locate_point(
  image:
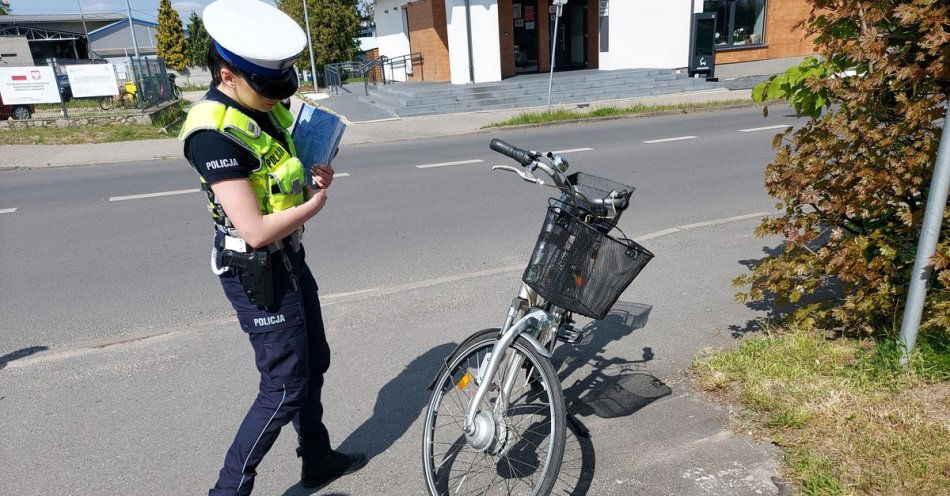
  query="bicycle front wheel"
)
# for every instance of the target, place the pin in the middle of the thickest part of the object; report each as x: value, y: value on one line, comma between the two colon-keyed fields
x: 527, y: 446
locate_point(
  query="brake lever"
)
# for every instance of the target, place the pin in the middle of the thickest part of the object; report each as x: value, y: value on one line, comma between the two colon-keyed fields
x: 524, y: 175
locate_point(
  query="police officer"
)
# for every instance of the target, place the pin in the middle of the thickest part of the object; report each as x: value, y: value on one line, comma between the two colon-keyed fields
x: 238, y: 141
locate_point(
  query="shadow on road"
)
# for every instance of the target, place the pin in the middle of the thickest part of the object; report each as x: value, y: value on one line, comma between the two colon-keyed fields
x: 400, y: 401
x: 620, y: 322
x: 397, y: 406
x: 609, y: 387
x: 21, y: 353
x: 774, y: 310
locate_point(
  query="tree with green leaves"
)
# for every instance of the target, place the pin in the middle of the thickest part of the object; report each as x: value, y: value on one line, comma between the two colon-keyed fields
x: 852, y: 183
x: 198, y: 41
x: 334, y: 25
x: 171, y: 37
x: 3, y: 9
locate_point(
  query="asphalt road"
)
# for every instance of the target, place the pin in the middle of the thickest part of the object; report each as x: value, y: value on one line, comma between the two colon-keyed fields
x: 410, y: 260
x: 84, y: 269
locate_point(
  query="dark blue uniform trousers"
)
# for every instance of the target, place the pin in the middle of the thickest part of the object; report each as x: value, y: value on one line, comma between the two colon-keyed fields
x: 292, y: 355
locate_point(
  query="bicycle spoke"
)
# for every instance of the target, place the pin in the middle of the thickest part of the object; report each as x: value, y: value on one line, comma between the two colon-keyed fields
x: 457, y: 470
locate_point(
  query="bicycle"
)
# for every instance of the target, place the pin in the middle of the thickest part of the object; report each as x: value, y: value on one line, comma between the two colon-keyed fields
x: 480, y: 431
x: 125, y: 99
x: 176, y: 91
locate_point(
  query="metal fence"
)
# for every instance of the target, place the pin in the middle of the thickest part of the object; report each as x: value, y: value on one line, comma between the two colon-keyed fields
x: 143, y: 84
x: 151, y: 77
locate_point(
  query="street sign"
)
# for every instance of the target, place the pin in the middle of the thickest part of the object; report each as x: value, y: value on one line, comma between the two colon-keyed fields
x: 92, y: 80
x: 31, y: 84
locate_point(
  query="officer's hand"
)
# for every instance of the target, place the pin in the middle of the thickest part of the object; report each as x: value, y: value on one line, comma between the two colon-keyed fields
x: 318, y: 198
x: 322, y: 176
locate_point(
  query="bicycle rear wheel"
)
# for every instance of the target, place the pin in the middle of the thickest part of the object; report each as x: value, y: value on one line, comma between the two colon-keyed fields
x: 106, y: 102
x: 525, y: 455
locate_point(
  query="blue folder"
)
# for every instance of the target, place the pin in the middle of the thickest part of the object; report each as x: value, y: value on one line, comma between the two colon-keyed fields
x: 316, y: 136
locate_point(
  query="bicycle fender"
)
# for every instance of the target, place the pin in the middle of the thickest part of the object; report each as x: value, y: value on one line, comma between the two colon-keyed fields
x: 537, y: 345
x: 445, y: 362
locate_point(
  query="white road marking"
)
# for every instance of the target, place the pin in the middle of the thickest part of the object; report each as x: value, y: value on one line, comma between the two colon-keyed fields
x: 697, y: 225
x: 331, y: 299
x: 154, y: 195
x: 7, y: 210
x: 341, y: 174
x: 337, y: 296
x: 446, y: 164
x: 573, y: 150
x: 664, y: 140
x: 766, y: 128
x: 716, y: 222
x: 656, y: 234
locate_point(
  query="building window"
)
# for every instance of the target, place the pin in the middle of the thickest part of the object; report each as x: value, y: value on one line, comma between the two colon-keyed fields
x: 738, y: 22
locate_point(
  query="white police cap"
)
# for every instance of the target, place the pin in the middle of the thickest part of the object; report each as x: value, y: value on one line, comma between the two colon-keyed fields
x: 254, y: 37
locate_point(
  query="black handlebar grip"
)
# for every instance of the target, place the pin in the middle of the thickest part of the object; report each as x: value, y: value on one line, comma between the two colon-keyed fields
x: 517, y: 154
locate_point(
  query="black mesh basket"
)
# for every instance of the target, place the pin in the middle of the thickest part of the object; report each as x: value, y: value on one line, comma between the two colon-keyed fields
x: 578, y: 266
x: 593, y: 187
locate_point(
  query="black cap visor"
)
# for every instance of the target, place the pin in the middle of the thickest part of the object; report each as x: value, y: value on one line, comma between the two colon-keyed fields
x: 274, y: 88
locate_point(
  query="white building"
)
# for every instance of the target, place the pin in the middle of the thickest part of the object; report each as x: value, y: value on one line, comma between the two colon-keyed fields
x: 507, y: 37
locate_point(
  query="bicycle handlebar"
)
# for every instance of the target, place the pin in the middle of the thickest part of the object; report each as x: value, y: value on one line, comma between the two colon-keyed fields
x: 523, y: 157
x: 616, y: 201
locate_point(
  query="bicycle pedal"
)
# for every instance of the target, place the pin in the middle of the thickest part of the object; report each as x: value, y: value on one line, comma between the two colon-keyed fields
x: 569, y: 335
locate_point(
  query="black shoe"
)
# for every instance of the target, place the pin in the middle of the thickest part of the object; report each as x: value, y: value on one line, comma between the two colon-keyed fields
x: 333, y: 465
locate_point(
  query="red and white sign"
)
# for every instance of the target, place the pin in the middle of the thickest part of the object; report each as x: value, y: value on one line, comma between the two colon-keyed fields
x: 20, y: 85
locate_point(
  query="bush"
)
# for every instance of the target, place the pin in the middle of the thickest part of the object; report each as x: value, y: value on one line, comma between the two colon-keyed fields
x: 852, y: 183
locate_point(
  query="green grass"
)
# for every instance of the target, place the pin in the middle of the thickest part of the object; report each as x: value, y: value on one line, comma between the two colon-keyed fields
x: 848, y: 417
x: 571, y: 115
x: 75, y: 103
x: 82, y: 134
x: 193, y: 87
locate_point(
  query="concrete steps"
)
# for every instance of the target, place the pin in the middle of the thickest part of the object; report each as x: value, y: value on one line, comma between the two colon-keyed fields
x: 408, y: 99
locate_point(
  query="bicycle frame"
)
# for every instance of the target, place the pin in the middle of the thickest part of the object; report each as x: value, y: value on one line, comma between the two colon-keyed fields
x: 480, y: 429
x: 534, y: 319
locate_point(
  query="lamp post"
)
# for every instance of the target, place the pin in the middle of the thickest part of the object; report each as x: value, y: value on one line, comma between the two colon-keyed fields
x: 313, y: 65
x: 560, y: 8
x: 135, y: 45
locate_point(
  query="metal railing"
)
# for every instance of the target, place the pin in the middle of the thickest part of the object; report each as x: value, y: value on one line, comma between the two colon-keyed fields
x: 335, y: 75
x: 371, y: 71
x: 407, y: 63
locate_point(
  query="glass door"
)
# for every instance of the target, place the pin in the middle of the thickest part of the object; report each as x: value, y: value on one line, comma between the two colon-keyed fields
x: 526, y: 35
x: 571, y: 50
